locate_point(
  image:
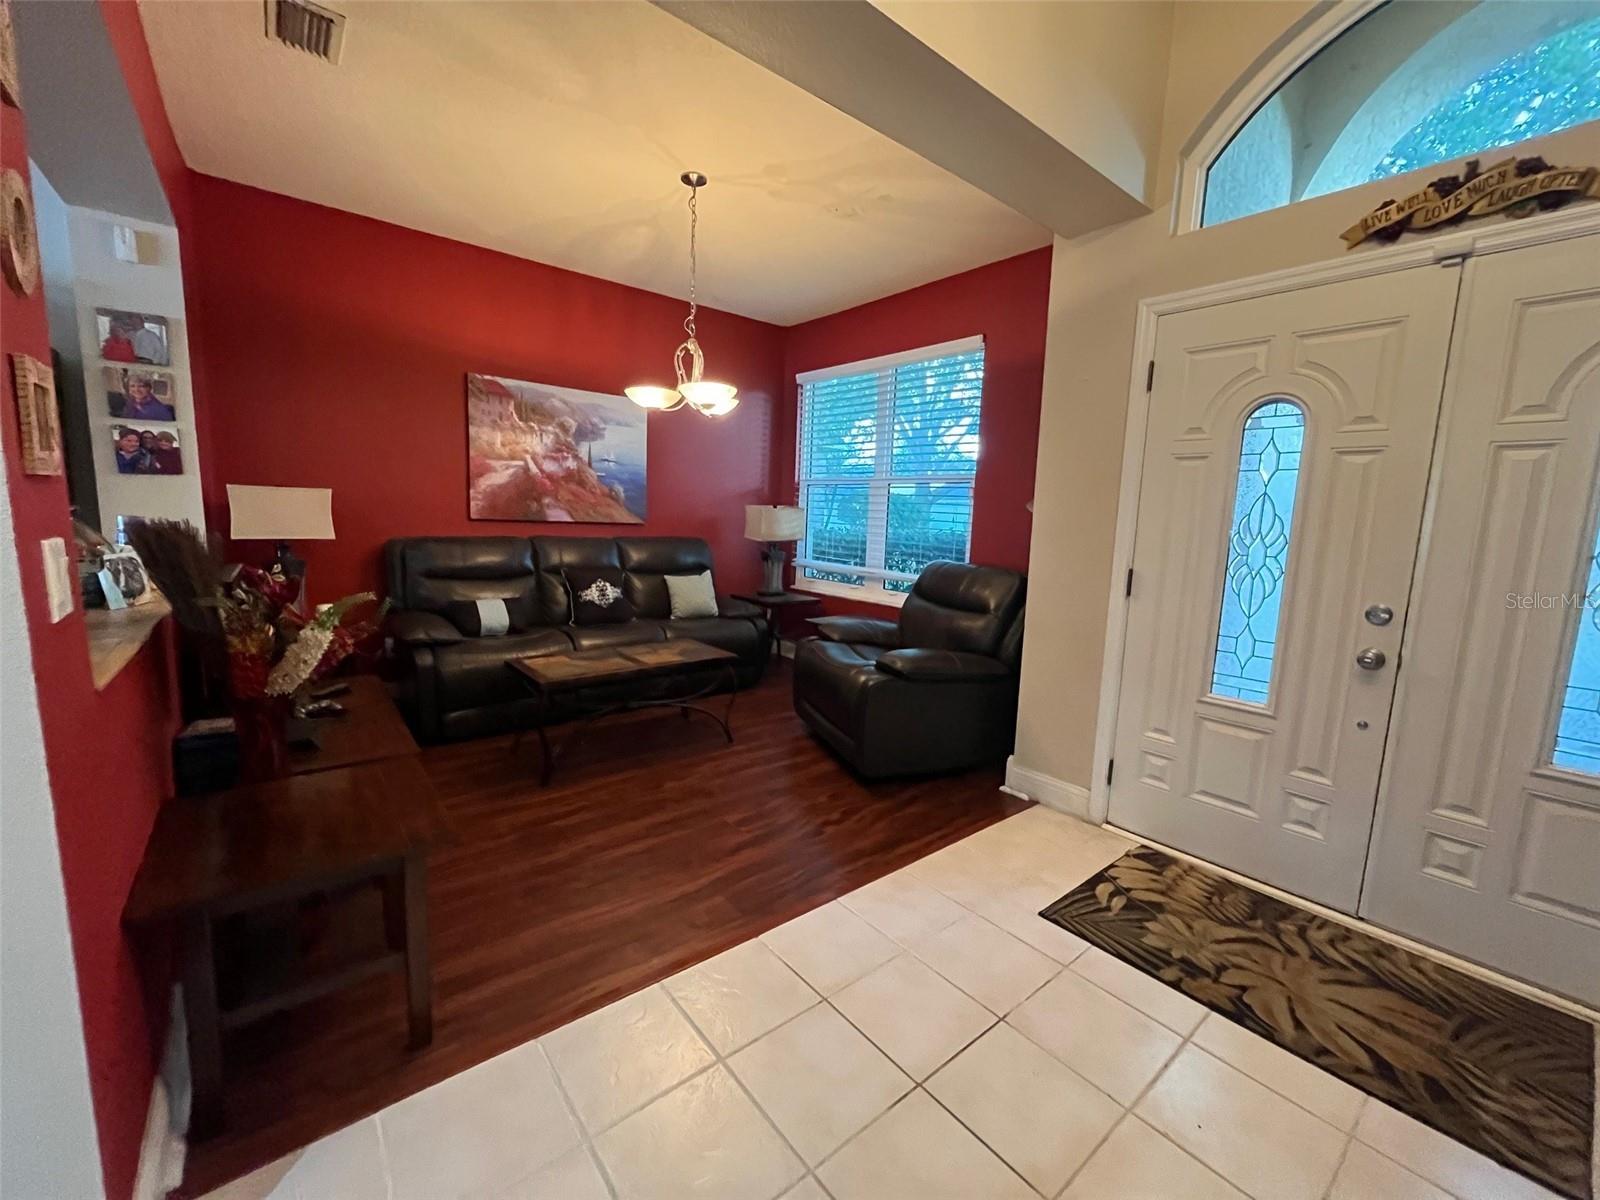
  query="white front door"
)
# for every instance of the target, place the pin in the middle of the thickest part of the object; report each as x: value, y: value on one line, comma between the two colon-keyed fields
x: 1488, y: 840
x: 1285, y: 467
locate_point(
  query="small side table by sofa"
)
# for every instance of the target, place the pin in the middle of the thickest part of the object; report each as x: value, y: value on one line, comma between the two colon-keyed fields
x: 774, y: 606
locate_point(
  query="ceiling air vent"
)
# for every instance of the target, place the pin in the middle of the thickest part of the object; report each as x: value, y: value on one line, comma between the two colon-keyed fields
x: 306, y: 26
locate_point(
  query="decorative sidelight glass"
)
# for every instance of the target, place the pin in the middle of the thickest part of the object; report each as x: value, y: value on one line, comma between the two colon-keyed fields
x: 1578, y: 732
x: 1258, y: 551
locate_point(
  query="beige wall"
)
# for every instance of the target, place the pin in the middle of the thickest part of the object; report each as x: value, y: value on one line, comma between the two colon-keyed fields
x: 1091, y: 74
x: 1096, y: 286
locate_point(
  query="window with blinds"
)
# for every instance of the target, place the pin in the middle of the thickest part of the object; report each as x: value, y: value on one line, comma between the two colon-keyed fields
x: 887, y: 453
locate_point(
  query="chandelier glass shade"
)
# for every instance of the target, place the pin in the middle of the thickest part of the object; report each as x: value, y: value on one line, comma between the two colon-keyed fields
x: 705, y: 396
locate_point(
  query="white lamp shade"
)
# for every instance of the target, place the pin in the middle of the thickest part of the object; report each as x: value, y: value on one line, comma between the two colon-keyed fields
x: 280, y: 514
x: 711, y: 398
x: 646, y: 396
x: 774, y: 522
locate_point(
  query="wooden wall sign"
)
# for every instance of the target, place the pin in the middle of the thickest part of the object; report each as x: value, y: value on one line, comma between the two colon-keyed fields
x: 19, y: 240
x: 37, y: 416
x: 1518, y: 187
x: 10, y: 76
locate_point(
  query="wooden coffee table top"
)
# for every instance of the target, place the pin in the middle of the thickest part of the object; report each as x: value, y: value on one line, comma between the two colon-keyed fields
x: 613, y: 664
x: 268, y: 841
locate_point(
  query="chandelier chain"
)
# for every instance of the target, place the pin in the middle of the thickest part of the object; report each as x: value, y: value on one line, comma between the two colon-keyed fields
x: 709, y: 397
x: 694, y: 225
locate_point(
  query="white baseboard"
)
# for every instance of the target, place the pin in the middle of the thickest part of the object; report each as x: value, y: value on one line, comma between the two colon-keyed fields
x: 165, y: 1148
x: 162, y: 1153
x: 1046, y: 789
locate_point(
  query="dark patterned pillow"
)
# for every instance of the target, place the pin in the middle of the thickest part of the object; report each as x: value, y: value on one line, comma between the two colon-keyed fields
x: 491, y: 618
x: 596, y: 597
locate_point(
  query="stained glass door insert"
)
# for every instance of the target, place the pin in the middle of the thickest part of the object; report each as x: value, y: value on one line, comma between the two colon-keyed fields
x: 1258, y: 552
x: 1578, y: 732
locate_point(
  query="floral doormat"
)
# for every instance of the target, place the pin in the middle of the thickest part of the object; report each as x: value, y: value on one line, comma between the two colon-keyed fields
x: 1505, y: 1075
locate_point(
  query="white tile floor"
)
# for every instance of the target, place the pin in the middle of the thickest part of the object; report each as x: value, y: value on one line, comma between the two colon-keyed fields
x: 925, y: 1037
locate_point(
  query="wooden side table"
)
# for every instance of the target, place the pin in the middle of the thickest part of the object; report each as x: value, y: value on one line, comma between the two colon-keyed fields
x: 255, y: 847
x: 371, y: 729
x: 773, y: 607
x: 207, y: 760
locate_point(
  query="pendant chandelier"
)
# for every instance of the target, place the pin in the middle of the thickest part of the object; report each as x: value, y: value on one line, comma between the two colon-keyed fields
x: 705, y: 396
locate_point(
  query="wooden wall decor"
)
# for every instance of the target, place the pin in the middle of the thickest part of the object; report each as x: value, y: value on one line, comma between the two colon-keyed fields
x: 37, y: 415
x: 19, y: 239
x: 1518, y: 187
x: 10, y: 76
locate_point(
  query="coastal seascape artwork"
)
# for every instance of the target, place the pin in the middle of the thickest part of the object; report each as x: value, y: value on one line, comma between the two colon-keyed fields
x: 537, y: 452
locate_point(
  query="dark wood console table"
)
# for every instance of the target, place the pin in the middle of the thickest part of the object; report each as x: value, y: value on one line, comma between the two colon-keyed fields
x: 264, y: 846
x: 370, y: 730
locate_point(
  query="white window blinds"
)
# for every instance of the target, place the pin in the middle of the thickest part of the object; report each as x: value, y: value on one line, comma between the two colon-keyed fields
x: 887, y: 453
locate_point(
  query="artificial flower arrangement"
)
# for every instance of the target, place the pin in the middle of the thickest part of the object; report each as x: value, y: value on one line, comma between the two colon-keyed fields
x: 252, y: 634
x: 273, y: 648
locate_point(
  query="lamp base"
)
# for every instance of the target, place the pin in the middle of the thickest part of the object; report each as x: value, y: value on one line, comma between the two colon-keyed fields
x: 772, y: 559
x: 288, y: 564
x: 293, y: 568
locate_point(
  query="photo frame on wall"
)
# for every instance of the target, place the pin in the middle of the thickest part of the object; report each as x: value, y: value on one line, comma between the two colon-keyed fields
x: 10, y: 74
x: 38, y: 418
x: 140, y: 393
x: 132, y: 337
x: 136, y: 450
x: 19, y: 238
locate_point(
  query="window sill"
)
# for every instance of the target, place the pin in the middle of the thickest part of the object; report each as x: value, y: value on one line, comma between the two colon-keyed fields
x: 115, y: 636
x: 861, y: 595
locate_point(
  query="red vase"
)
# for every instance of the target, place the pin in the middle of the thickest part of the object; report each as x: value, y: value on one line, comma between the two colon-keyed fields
x: 262, y: 728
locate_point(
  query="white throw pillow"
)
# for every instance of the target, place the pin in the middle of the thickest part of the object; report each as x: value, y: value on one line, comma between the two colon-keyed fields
x: 692, y: 596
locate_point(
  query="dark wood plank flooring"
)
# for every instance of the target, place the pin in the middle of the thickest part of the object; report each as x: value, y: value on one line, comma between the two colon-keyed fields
x: 658, y: 846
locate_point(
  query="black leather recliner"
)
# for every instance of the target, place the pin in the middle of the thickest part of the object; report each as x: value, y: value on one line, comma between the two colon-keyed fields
x: 454, y: 686
x: 935, y: 691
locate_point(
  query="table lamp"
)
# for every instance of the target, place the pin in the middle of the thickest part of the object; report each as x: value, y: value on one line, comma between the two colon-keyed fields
x: 281, y: 515
x: 773, y: 523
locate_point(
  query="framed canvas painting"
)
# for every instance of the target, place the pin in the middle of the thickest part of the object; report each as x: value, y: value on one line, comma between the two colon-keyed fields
x: 536, y: 452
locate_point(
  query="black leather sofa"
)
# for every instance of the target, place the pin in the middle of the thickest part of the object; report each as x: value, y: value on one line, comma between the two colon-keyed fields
x: 934, y: 691
x: 455, y: 686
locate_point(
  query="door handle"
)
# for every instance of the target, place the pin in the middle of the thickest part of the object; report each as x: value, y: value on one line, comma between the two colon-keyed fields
x: 1371, y: 659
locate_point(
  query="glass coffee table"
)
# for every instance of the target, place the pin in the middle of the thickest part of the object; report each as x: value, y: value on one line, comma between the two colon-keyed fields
x: 693, y: 671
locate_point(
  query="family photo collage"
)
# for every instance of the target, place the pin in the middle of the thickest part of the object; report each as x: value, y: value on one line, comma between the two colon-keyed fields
x: 141, y: 394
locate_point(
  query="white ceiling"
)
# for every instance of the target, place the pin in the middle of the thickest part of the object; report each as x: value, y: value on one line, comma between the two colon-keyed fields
x: 556, y: 132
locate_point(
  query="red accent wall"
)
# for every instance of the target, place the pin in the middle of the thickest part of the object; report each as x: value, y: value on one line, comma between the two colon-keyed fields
x: 1008, y: 302
x: 336, y: 349
x: 328, y: 349
x: 108, y: 758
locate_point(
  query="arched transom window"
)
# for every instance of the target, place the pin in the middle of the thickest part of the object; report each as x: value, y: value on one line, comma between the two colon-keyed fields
x: 1414, y: 83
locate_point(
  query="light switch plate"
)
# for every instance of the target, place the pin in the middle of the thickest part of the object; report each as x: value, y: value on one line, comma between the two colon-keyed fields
x: 125, y: 243
x: 59, y: 592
